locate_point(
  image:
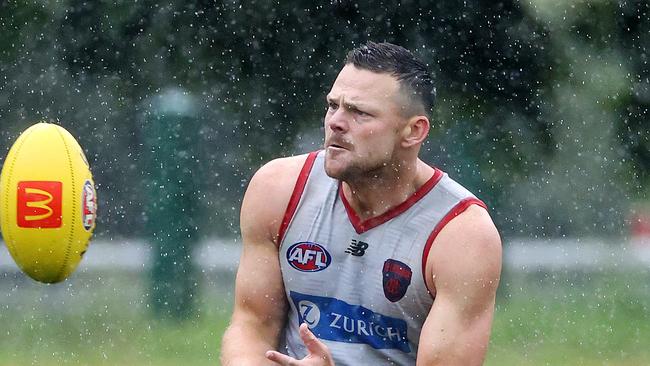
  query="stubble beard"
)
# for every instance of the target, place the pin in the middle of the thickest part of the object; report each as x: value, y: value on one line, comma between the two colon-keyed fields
x: 354, y: 171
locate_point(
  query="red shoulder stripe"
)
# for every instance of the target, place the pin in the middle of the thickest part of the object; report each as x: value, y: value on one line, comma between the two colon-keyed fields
x: 296, y: 195
x: 455, y: 211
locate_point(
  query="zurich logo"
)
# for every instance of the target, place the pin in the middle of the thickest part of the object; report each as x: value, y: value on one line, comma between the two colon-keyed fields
x: 308, y: 257
x: 336, y: 320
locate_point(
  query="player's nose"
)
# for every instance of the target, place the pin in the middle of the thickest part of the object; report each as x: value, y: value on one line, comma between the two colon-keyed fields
x: 338, y: 121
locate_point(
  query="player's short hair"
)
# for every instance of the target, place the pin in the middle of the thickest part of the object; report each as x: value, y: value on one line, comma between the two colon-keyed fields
x: 387, y: 58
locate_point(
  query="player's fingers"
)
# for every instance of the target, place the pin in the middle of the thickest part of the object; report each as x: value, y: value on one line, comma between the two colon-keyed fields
x: 313, y: 344
x: 280, y: 359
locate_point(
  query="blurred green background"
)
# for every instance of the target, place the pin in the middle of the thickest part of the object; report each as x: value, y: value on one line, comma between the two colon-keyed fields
x: 542, y: 112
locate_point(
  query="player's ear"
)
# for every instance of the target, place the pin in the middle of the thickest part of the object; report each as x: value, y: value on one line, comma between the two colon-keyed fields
x: 415, y: 131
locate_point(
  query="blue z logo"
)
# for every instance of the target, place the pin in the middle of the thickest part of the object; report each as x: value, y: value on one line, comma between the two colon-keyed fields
x: 306, y: 314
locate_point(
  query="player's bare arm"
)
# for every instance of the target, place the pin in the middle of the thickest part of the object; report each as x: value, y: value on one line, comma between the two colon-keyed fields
x: 260, y: 303
x: 463, y: 269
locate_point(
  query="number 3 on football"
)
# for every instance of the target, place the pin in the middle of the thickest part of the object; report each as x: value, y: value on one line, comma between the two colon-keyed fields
x: 48, y: 202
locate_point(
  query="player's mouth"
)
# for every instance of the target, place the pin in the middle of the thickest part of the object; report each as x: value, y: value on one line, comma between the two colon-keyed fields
x: 336, y: 146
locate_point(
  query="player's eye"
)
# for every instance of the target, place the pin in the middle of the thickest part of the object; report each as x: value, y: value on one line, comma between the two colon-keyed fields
x: 332, y: 106
x: 359, y: 112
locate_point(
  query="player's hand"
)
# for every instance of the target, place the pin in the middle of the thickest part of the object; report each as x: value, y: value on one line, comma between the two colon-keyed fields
x: 318, y: 353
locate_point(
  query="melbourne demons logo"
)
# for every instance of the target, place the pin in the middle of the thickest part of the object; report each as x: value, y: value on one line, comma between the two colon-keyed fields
x: 308, y: 257
x: 39, y: 204
x: 397, y: 278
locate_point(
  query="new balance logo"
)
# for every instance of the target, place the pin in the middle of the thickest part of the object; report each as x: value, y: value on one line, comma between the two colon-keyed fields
x: 357, y: 248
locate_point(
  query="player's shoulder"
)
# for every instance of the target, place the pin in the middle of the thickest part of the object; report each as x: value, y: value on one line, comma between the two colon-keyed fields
x: 469, y: 246
x: 268, y: 195
x: 280, y: 173
x: 478, y: 219
x: 473, y: 230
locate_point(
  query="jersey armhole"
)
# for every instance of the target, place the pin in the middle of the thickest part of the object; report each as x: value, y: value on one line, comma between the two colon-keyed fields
x: 455, y: 211
x: 296, y: 195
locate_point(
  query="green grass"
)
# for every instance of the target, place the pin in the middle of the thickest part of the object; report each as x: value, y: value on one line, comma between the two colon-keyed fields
x: 541, y: 319
x: 572, y: 319
x: 104, y: 321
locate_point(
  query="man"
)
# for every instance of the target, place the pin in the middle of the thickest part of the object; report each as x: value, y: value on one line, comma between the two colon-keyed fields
x: 362, y: 254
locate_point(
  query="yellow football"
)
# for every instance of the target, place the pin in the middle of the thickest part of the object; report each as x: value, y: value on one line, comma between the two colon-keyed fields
x: 48, y: 202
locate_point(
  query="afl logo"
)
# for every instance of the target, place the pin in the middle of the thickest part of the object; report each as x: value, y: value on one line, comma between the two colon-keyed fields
x: 308, y: 257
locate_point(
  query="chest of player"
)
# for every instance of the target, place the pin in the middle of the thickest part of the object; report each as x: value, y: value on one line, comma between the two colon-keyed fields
x: 378, y: 268
x: 356, y: 287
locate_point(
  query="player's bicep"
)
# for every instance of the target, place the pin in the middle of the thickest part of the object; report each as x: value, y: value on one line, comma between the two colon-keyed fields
x: 259, y: 290
x: 451, y: 336
x: 465, y: 264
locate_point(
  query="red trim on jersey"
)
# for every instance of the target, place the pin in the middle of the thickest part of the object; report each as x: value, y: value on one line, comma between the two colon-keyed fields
x: 296, y: 195
x: 363, y: 226
x: 455, y: 211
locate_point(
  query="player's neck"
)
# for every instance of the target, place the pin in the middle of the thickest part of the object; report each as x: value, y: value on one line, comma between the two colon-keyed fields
x: 376, y: 193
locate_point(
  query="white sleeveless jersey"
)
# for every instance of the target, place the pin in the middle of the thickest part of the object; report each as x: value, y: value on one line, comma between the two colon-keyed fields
x: 359, y: 285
